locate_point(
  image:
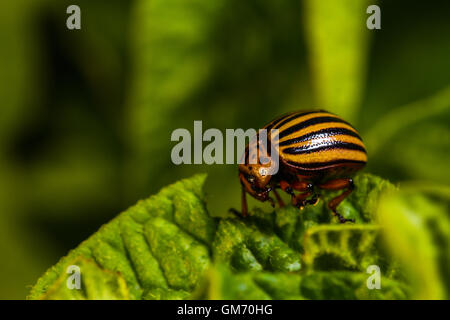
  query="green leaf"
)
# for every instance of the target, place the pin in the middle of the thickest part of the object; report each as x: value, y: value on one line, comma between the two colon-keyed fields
x: 416, y: 225
x: 222, y: 283
x: 162, y: 247
x: 349, y: 247
x: 158, y: 247
x: 349, y: 285
x: 97, y: 283
x: 246, y: 246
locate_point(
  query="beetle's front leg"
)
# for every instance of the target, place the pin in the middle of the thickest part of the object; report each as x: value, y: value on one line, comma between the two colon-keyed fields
x: 244, y: 203
x: 244, y: 207
x: 339, y: 184
x: 306, y: 190
x: 277, y: 196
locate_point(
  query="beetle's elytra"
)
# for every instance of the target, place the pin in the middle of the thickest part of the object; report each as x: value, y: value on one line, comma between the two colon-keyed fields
x: 316, y: 149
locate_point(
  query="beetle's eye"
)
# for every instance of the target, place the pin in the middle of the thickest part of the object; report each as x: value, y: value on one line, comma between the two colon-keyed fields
x: 251, y: 179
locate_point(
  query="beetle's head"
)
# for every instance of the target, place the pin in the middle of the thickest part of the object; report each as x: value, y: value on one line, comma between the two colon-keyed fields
x: 254, y: 183
x: 255, y: 179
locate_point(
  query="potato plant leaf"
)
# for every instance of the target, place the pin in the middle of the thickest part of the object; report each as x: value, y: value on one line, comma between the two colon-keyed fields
x: 169, y: 247
x: 97, y: 283
x: 222, y: 283
x: 155, y: 246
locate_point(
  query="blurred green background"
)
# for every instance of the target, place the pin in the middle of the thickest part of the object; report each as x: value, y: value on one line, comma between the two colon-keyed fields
x: 86, y: 115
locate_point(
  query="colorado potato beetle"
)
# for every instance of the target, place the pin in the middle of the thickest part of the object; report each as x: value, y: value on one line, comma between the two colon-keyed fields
x: 315, y: 150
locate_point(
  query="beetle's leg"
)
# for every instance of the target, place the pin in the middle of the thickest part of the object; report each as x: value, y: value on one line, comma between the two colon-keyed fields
x: 244, y: 207
x: 297, y: 185
x: 300, y: 199
x: 272, y: 203
x: 244, y: 202
x: 277, y: 196
x: 302, y: 182
x: 286, y: 187
x: 313, y: 201
x: 338, y: 184
x: 303, y: 186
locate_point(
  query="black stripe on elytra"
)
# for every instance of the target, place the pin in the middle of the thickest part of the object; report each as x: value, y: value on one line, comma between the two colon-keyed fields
x: 317, y: 165
x: 309, y: 122
x: 293, y: 117
x: 327, y: 146
x: 328, y: 132
x: 273, y: 122
x: 277, y: 120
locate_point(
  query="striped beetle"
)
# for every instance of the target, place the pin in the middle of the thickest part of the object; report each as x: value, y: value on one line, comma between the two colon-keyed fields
x: 316, y: 149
